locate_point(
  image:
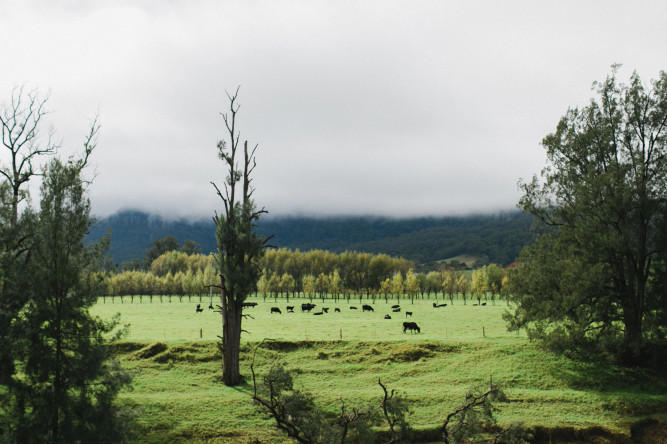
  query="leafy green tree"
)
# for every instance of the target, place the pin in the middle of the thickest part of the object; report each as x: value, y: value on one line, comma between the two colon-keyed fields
x: 595, y: 276
x: 494, y: 280
x: 397, y: 286
x: 191, y: 247
x: 411, y: 284
x: 435, y: 282
x: 66, y: 379
x: 309, y: 285
x: 322, y: 284
x: 239, y: 245
x: 385, y: 287
x: 479, y: 284
x: 449, y: 284
x: 334, y: 283
x: 463, y: 284
x: 131, y: 265
x: 287, y: 283
x: 274, y: 284
x: 160, y: 246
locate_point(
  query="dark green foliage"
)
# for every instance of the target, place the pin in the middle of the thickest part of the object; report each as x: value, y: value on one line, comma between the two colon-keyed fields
x: 65, y: 380
x: 160, y: 246
x: 13, y: 255
x: 191, y: 247
x: 497, y: 237
x: 598, y: 276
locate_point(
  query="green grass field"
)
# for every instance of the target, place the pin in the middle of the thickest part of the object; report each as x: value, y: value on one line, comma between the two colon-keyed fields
x: 179, y: 398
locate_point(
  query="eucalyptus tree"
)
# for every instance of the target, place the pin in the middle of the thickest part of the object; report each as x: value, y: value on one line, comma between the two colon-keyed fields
x: 596, y: 275
x: 239, y: 245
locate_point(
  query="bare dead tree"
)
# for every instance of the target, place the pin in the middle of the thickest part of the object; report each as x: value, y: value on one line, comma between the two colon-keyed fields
x: 20, y: 120
x: 239, y: 246
x: 471, y: 414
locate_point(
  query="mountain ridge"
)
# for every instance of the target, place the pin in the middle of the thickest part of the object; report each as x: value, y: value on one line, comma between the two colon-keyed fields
x: 498, y: 236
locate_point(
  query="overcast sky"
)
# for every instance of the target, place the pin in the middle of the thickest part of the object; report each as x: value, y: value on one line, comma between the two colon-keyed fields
x: 358, y: 107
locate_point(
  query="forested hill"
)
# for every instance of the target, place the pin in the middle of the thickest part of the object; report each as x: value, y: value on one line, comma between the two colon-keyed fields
x: 499, y: 237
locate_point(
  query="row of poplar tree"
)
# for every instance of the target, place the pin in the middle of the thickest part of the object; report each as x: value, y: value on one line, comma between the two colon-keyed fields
x: 313, y: 273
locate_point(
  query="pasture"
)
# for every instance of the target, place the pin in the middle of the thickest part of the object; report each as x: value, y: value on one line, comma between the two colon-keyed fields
x: 179, y: 399
x: 179, y: 321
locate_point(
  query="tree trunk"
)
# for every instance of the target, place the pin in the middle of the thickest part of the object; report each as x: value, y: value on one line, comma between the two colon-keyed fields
x: 632, y: 321
x: 231, y: 340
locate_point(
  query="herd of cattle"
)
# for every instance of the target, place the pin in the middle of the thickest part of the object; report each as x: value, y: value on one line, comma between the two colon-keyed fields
x: 308, y: 308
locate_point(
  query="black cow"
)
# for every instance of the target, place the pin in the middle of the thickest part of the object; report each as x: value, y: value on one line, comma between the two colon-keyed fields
x: 408, y: 313
x: 290, y: 309
x: 318, y: 313
x: 337, y: 310
x: 396, y: 310
x: 412, y: 326
x: 325, y: 309
x: 387, y: 317
x: 353, y: 308
x: 307, y: 307
x: 483, y: 303
x: 249, y: 304
x: 366, y: 308
x: 276, y: 310
x: 438, y: 305
x: 395, y: 306
x: 199, y: 309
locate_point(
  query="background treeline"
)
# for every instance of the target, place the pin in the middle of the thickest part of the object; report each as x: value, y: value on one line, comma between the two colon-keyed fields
x: 496, y: 238
x: 315, y: 273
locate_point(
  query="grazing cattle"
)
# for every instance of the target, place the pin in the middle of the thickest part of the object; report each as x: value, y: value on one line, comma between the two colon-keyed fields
x: 438, y: 306
x: 318, y: 313
x: 249, y: 304
x: 408, y: 313
x: 290, y: 309
x: 307, y: 307
x: 353, y: 308
x: 210, y: 307
x: 395, y: 306
x: 366, y: 308
x: 387, y: 317
x: 199, y: 309
x: 396, y: 310
x: 483, y: 303
x: 337, y: 310
x: 412, y: 326
x: 325, y: 309
x: 276, y: 310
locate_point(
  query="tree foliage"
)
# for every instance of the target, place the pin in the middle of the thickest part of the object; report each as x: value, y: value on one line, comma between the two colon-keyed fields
x: 65, y: 380
x: 596, y: 272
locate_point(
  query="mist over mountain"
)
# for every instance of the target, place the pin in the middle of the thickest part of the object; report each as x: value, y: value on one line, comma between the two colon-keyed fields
x: 498, y: 237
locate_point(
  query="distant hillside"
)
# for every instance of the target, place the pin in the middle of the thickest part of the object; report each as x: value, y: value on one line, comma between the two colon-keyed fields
x: 499, y: 237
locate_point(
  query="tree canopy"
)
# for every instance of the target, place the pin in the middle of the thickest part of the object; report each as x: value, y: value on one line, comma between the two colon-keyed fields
x: 597, y: 269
